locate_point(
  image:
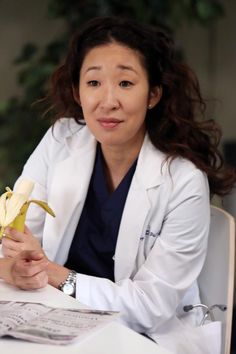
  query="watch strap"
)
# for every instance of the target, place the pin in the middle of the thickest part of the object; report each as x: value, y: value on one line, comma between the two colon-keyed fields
x: 71, y: 279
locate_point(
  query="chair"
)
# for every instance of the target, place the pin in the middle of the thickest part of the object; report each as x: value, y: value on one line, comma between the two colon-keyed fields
x: 216, y: 281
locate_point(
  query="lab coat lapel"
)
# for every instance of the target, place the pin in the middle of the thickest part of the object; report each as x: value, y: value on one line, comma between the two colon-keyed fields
x: 133, y: 219
x: 148, y: 175
x: 68, y: 192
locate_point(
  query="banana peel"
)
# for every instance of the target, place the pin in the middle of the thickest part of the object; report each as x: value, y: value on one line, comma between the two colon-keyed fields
x: 14, y: 206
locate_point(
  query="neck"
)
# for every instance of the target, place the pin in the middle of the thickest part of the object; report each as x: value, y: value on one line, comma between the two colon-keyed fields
x: 118, y: 161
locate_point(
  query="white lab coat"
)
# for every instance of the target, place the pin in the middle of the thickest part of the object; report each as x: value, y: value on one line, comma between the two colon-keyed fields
x: 162, y: 239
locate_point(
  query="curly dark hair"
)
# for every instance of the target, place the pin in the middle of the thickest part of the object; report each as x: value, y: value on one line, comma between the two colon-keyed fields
x: 177, y: 124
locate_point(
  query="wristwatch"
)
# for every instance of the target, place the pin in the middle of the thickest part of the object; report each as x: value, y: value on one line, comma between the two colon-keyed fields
x: 68, y: 286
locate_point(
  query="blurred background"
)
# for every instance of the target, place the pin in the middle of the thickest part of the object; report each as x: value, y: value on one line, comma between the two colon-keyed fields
x: 34, y: 37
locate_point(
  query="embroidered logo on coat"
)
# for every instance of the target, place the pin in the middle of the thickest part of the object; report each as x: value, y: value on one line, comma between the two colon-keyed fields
x: 149, y: 233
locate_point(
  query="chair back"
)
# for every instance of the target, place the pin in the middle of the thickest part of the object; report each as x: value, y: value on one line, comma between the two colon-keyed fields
x: 216, y: 281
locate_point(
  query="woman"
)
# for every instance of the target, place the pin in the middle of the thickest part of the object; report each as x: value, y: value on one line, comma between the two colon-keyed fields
x: 128, y: 177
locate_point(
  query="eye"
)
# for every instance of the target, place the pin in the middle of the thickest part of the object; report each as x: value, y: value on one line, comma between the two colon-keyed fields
x: 126, y: 83
x: 93, y: 83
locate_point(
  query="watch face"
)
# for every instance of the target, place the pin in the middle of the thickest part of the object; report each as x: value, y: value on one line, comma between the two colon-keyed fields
x: 68, y: 288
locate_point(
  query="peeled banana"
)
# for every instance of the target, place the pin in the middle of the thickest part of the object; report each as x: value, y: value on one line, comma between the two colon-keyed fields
x: 14, y: 206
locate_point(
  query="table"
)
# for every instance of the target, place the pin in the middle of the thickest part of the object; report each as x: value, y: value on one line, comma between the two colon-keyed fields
x: 112, y: 339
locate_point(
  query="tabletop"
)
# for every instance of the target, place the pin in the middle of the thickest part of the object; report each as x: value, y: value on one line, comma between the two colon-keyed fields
x: 114, y: 338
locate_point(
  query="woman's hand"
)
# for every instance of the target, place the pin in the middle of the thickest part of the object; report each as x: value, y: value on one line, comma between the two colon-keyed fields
x: 31, y: 270
x: 28, y: 270
x: 16, y: 242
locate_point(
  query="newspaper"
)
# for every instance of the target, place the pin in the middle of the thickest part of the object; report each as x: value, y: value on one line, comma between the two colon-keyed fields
x: 39, y: 323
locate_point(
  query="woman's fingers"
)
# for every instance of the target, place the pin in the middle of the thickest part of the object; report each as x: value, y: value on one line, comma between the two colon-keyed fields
x: 14, y: 234
x: 10, y: 247
x: 28, y: 271
x: 32, y: 255
x: 38, y: 281
x: 17, y: 241
x: 12, y: 243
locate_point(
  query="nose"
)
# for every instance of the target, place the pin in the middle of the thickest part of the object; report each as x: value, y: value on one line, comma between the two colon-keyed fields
x: 109, y: 99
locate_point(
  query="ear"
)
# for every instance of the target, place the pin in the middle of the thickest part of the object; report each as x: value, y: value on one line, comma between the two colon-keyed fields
x: 154, y: 96
x: 76, y: 95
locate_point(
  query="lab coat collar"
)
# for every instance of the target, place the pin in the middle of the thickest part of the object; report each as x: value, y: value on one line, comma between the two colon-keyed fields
x: 151, y: 162
x: 151, y: 165
x: 69, y: 189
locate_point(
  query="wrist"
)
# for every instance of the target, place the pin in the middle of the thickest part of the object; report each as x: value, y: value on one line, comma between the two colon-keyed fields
x: 56, y: 274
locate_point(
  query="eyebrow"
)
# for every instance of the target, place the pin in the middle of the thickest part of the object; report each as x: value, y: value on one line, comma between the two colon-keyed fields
x: 120, y: 66
x: 93, y: 68
x: 127, y: 67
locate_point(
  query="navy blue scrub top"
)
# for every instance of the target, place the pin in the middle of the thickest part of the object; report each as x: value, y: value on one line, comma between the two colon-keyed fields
x: 94, y: 242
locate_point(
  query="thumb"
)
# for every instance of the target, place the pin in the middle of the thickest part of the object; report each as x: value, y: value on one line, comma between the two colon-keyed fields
x: 31, y: 255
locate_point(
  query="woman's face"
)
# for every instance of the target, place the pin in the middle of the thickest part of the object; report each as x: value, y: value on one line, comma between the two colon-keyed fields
x: 114, y: 95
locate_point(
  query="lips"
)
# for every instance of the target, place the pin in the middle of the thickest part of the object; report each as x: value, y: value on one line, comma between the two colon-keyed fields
x: 109, y: 123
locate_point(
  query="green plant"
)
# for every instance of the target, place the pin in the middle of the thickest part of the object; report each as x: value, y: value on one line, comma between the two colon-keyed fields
x: 20, y: 123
